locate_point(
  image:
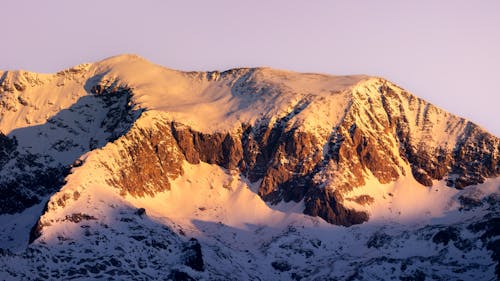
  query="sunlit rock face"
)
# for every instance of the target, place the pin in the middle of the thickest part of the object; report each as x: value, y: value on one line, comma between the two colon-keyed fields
x: 300, y: 136
x: 133, y: 168
x: 291, y: 163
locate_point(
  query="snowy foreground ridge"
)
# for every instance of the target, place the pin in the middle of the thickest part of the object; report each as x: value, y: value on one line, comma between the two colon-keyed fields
x: 126, y: 170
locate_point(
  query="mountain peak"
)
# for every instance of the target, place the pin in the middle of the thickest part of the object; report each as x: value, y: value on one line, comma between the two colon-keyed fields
x: 142, y: 168
x: 123, y: 58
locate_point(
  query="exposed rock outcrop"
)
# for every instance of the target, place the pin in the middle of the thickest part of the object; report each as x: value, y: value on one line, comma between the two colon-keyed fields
x: 377, y: 136
x: 295, y: 165
x: 192, y: 255
x: 7, y: 148
x: 147, y: 160
x: 379, y: 130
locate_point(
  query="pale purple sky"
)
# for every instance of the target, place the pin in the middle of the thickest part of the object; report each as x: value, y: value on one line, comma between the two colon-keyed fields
x: 447, y: 52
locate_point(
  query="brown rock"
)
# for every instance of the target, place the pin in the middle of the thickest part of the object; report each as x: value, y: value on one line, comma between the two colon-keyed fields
x: 149, y: 159
x: 325, y: 204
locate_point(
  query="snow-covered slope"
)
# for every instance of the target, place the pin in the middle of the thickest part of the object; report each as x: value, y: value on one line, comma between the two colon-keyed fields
x: 220, y: 101
x: 91, y: 231
x: 139, y: 171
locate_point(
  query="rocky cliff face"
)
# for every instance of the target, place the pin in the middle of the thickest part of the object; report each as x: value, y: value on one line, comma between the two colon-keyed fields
x: 119, y: 148
x: 7, y: 148
x: 376, y: 136
x: 289, y: 150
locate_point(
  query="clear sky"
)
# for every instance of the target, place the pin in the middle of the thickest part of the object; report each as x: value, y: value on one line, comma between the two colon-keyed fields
x: 446, y: 51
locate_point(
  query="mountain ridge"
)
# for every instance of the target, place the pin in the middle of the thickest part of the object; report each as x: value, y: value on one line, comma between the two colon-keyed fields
x: 19, y: 76
x: 123, y: 133
x: 336, y: 107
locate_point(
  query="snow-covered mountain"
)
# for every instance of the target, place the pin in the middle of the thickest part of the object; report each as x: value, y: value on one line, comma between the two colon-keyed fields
x: 123, y: 169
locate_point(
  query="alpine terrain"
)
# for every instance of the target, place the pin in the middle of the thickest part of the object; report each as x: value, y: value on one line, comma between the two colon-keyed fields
x: 126, y: 170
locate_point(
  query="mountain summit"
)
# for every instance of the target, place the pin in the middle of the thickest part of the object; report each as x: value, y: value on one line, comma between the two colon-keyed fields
x: 124, y: 168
